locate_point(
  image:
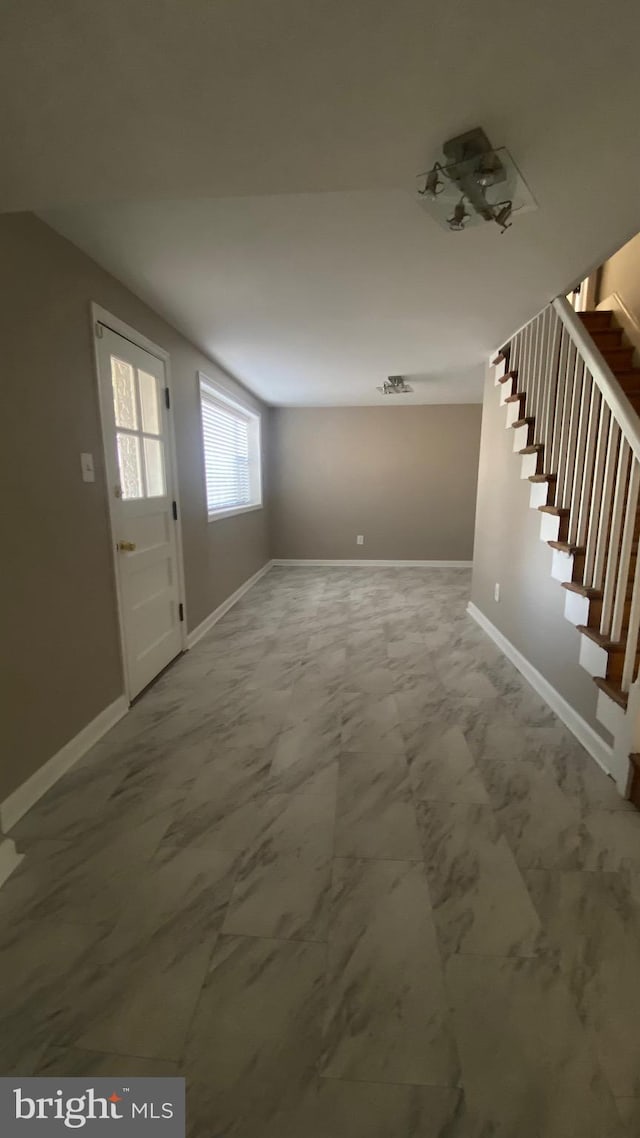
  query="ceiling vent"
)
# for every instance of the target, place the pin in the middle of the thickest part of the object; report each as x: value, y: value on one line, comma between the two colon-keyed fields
x: 395, y: 385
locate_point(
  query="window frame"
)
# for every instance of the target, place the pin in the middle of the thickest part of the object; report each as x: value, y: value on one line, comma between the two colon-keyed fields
x: 216, y: 393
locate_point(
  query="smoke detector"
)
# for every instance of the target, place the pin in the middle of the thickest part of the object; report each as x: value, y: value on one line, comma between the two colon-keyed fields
x: 395, y: 385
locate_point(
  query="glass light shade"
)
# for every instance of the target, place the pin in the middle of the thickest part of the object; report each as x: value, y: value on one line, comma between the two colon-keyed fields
x: 468, y: 179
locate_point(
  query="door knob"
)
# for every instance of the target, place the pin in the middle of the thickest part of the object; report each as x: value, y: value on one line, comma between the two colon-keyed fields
x: 126, y: 546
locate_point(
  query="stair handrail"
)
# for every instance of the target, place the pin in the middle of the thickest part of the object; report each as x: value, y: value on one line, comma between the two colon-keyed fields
x: 603, y: 377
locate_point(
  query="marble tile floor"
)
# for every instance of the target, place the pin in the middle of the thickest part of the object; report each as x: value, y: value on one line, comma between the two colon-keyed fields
x: 345, y: 871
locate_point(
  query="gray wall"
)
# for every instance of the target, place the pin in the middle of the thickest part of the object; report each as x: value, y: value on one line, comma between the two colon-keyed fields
x: 60, y: 644
x: 508, y: 550
x: 404, y: 477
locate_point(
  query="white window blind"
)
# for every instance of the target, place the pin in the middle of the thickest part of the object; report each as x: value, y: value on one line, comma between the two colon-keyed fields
x: 231, y: 438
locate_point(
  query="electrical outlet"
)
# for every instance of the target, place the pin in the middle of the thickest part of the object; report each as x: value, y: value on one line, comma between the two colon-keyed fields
x: 360, y: 539
x: 496, y: 592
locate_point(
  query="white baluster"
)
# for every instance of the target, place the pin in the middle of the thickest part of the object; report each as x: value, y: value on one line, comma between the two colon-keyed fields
x: 533, y: 370
x: 542, y: 336
x: 606, y: 502
x: 554, y: 459
x: 628, y: 534
x: 565, y: 429
x: 615, y: 542
x: 588, y: 461
x: 629, y: 666
x: 550, y: 385
x: 587, y: 396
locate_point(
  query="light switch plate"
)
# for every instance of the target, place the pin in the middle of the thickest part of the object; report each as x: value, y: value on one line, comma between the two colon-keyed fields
x: 86, y: 465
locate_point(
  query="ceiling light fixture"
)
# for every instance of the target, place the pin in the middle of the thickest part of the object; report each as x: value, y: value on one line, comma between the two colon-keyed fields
x: 395, y: 385
x: 459, y: 216
x: 433, y: 184
x: 474, y: 183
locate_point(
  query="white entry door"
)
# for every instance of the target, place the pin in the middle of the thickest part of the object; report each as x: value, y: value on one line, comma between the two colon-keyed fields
x: 136, y: 426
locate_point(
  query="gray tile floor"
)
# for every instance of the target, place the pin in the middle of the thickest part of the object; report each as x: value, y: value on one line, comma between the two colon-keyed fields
x: 346, y: 872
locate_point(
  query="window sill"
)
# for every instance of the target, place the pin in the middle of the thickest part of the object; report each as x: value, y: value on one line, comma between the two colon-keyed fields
x: 218, y: 515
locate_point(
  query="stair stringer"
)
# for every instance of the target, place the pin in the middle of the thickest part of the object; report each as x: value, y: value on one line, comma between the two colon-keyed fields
x: 622, y: 724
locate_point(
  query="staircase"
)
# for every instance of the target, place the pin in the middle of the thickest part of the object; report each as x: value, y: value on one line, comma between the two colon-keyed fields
x: 572, y: 399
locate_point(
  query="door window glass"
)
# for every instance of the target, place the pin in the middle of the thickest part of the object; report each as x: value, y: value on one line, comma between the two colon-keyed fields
x: 130, y: 467
x: 136, y: 402
x: 124, y: 395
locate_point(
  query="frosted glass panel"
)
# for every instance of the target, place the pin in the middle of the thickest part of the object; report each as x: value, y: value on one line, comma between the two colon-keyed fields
x: 124, y: 395
x: 130, y: 467
x: 154, y: 464
x: 149, y: 402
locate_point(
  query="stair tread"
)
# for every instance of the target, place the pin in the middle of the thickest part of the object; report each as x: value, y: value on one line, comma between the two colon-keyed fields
x: 590, y: 593
x: 557, y: 511
x: 500, y: 358
x: 583, y: 590
x: 543, y: 477
x: 535, y: 448
x: 508, y: 375
x: 597, y: 315
x: 613, y: 690
x: 528, y: 421
x: 566, y: 547
x: 615, y: 355
x: 601, y: 640
x: 516, y: 397
x: 615, y: 333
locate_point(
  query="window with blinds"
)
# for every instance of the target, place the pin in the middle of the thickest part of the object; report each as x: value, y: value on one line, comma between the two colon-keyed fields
x: 231, y: 440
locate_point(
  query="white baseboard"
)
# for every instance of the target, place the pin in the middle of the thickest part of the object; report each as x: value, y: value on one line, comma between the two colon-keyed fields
x: 9, y: 858
x: 26, y: 795
x: 584, y: 733
x: 201, y: 629
x: 364, y: 564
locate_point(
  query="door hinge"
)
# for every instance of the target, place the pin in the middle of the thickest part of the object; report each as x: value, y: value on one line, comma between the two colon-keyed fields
x: 181, y: 611
x: 99, y: 330
x: 174, y: 508
x: 167, y: 399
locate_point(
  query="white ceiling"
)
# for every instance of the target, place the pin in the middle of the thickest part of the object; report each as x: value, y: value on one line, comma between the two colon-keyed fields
x: 248, y: 167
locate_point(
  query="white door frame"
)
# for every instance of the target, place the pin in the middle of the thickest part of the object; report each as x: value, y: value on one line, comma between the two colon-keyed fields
x: 100, y: 315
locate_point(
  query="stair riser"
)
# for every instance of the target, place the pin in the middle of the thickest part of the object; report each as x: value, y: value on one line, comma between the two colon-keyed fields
x: 530, y: 463
x: 596, y: 320
x: 619, y: 359
x: 593, y: 658
x: 553, y: 528
x: 562, y: 566
x: 542, y: 494
x: 576, y: 608
x: 607, y: 338
x: 609, y: 714
x: 520, y: 438
x: 514, y: 412
x: 507, y: 387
